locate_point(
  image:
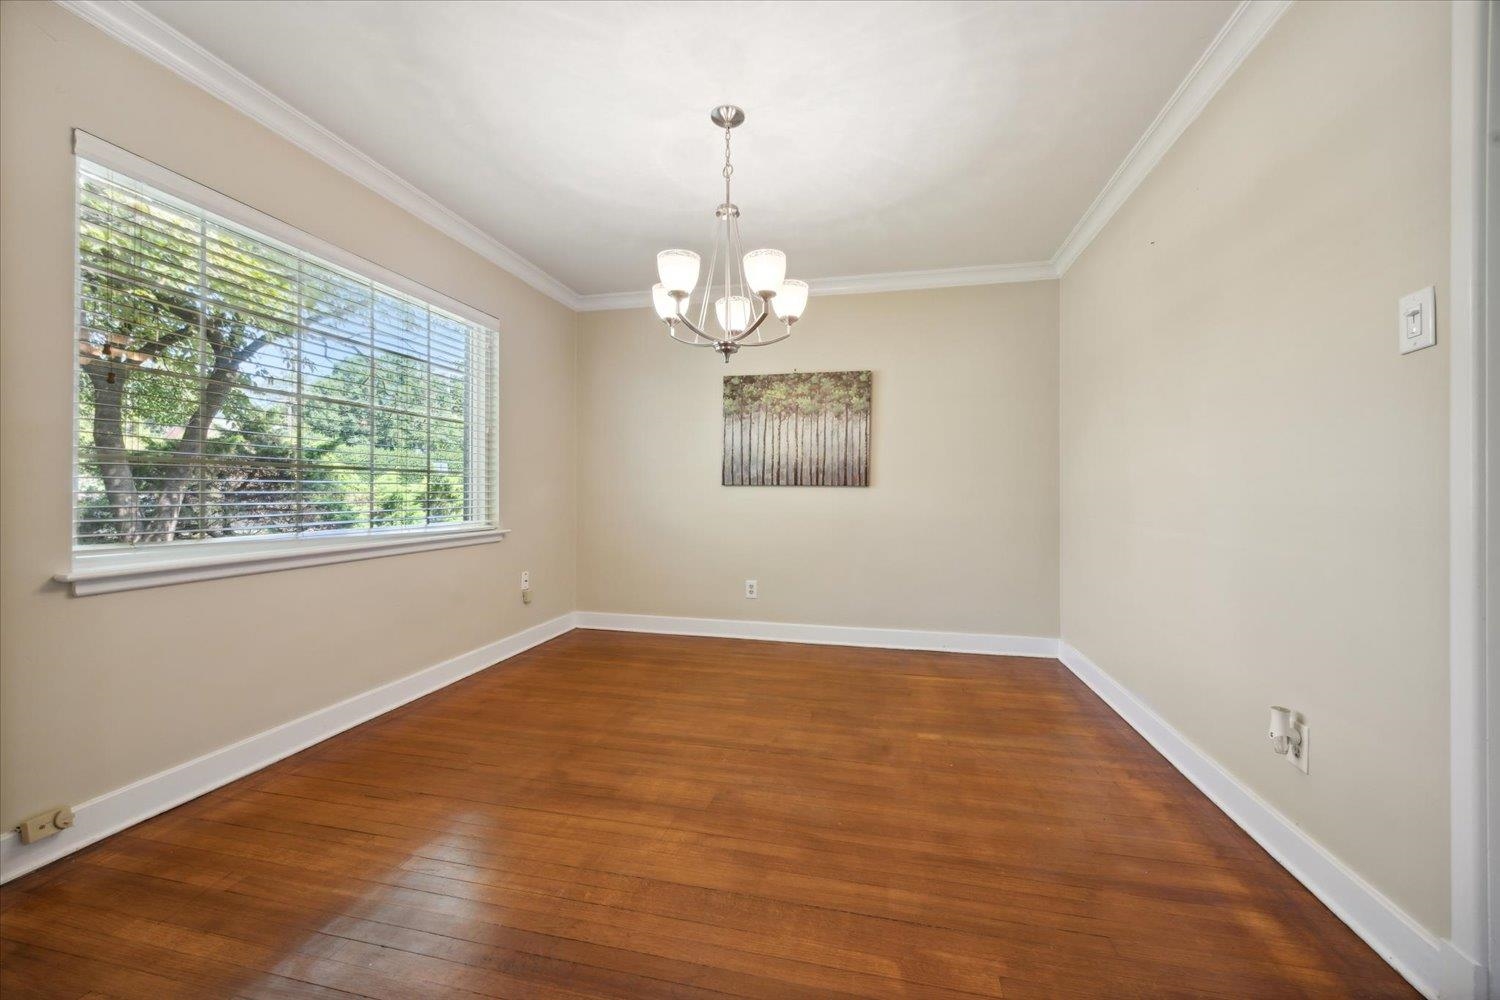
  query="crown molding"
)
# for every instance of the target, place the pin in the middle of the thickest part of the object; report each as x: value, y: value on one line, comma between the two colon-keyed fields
x: 1237, y: 39
x: 1239, y: 36
x: 126, y: 22
x: 950, y: 277
x: 604, y: 301
x: 862, y: 284
x: 135, y: 27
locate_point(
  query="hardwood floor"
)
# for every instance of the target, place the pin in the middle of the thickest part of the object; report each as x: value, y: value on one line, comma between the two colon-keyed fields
x: 614, y: 815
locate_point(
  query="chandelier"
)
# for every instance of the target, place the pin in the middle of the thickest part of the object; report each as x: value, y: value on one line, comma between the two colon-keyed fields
x: 752, y: 286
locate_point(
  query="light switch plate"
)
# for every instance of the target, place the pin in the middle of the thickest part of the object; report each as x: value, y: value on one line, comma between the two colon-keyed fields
x: 1416, y: 325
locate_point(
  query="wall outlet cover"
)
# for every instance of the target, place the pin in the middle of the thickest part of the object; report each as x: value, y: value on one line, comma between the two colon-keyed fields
x: 1299, y: 761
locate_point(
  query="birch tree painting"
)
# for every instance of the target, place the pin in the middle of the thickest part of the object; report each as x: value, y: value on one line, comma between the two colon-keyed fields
x: 803, y: 429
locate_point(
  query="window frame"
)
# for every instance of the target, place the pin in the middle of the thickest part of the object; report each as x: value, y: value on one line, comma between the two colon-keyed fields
x: 116, y: 567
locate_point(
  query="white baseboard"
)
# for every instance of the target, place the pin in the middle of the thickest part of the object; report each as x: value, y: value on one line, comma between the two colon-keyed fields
x: 123, y: 807
x: 1462, y: 977
x: 826, y: 635
x: 1419, y: 956
x: 1435, y: 968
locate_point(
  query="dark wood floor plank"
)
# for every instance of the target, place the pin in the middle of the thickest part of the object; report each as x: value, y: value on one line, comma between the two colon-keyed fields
x: 614, y: 815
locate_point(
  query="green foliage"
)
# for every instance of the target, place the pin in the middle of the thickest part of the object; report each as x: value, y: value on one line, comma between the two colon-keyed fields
x: 803, y: 393
x: 194, y: 343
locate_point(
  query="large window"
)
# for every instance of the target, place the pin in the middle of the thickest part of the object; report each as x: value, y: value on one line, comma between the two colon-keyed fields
x: 234, y: 388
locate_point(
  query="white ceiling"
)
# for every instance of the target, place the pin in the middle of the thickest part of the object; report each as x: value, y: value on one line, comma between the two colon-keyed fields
x: 881, y: 137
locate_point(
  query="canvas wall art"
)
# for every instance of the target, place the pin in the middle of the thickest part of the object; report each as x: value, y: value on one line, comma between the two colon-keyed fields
x: 802, y: 429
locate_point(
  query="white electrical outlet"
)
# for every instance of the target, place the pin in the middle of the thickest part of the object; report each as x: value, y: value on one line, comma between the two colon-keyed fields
x: 525, y: 579
x: 752, y: 589
x: 1298, y: 758
x: 1287, y: 731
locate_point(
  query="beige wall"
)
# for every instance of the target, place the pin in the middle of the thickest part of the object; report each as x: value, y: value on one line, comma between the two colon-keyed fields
x: 957, y: 530
x: 100, y: 691
x: 1254, y: 482
x: 1252, y: 488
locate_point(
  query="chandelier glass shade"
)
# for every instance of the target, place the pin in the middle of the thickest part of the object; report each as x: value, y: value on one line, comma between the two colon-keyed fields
x: 744, y: 289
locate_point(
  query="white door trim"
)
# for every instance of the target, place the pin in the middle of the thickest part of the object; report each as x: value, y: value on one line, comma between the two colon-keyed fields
x: 1464, y: 970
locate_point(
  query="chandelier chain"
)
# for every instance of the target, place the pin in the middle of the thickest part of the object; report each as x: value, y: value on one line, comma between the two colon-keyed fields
x: 728, y: 167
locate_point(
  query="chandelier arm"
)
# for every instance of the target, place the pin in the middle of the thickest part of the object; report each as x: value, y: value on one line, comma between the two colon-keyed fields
x: 753, y: 326
x: 764, y: 304
x: 734, y: 277
x: 728, y: 262
x: 688, y: 343
x: 708, y: 285
x: 768, y: 343
x: 734, y: 274
x: 739, y: 263
x: 696, y: 331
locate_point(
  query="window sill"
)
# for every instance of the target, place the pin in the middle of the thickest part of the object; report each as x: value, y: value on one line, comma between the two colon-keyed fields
x: 108, y: 573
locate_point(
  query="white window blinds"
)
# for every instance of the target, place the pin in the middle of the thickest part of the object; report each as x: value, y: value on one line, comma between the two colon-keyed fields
x: 233, y: 387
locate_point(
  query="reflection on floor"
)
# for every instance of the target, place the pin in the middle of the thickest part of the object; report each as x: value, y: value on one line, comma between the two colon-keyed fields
x: 614, y: 815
